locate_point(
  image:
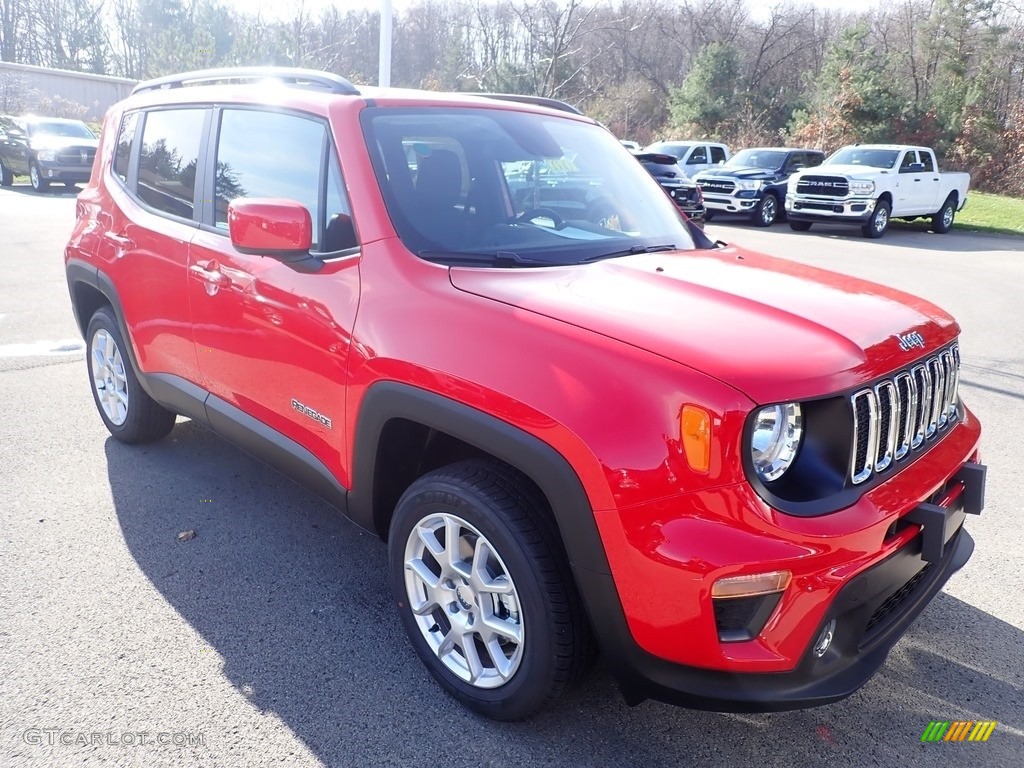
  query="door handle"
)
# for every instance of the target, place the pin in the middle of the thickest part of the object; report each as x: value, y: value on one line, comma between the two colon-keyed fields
x: 209, y: 273
x: 916, y: 180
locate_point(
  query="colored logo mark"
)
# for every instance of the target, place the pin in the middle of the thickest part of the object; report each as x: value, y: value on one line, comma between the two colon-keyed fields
x: 958, y: 730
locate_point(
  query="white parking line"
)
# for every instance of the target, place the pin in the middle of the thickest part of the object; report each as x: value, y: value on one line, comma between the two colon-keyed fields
x: 64, y: 347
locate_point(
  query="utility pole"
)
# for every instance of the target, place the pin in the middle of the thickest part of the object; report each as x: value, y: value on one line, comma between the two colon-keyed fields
x: 384, y: 65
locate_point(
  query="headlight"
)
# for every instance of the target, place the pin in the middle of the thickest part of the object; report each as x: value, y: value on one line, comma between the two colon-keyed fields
x: 776, y: 438
x: 748, y: 185
x: 47, y: 156
x: 862, y: 187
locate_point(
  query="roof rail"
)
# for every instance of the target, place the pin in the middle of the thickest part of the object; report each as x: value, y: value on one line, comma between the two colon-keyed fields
x: 540, y: 101
x: 300, y: 78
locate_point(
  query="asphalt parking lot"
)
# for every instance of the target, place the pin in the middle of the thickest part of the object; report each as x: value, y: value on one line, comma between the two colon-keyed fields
x: 269, y: 639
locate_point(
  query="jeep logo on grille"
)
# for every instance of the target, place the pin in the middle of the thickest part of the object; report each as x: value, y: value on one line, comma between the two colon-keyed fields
x: 909, y: 341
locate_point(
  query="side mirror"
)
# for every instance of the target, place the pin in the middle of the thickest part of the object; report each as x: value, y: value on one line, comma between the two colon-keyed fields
x: 272, y: 227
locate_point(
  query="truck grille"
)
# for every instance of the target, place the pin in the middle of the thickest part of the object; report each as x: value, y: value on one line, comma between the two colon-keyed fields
x: 717, y: 186
x: 899, y: 415
x: 826, y: 186
x: 83, y: 156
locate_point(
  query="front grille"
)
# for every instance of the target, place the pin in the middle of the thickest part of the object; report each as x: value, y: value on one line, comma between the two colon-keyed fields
x: 685, y: 194
x: 894, y: 600
x: 901, y: 414
x: 717, y: 186
x: 82, y: 157
x: 826, y: 186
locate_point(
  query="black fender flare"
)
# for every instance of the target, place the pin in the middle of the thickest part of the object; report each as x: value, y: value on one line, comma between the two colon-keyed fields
x: 387, y: 400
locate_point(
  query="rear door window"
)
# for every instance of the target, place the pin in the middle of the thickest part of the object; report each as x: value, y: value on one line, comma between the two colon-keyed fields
x: 717, y: 155
x: 125, y: 139
x: 168, y: 160
x: 926, y: 161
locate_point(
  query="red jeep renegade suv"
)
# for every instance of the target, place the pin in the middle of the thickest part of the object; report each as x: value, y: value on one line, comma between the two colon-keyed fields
x: 573, y: 418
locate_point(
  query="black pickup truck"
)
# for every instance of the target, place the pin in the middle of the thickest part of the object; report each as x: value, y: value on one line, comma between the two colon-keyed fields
x: 752, y: 182
x: 47, y: 150
x: 680, y: 187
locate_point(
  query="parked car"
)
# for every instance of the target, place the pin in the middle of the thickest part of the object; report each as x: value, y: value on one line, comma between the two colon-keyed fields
x: 682, y: 189
x: 46, y: 149
x: 753, y: 182
x: 870, y: 184
x: 694, y: 156
x: 741, y: 477
x: 632, y: 146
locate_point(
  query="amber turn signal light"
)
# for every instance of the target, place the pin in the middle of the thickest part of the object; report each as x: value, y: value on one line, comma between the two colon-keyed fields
x: 751, y: 586
x: 695, y: 428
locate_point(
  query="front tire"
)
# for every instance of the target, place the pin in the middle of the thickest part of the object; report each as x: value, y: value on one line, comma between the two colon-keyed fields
x: 36, y: 178
x: 878, y: 224
x: 484, y: 591
x: 799, y: 226
x: 709, y: 215
x: 128, y: 412
x: 767, y: 211
x: 942, y: 221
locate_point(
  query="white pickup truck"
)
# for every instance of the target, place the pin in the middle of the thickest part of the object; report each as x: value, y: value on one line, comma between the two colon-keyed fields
x: 869, y: 184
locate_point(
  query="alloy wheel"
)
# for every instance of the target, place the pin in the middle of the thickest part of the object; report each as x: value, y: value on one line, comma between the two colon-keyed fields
x: 108, y: 377
x: 463, y: 600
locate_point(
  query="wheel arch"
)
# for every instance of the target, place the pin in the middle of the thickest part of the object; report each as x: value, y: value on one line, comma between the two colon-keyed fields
x: 388, y: 403
x: 887, y: 197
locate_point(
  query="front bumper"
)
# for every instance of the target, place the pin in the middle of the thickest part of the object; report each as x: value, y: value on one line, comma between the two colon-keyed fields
x: 70, y: 174
x: 871, y: 568
x: 732, y: 203
x: 854, y: 210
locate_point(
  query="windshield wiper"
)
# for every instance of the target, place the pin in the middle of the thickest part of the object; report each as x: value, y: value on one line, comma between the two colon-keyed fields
x: 499, y: 259
x: 636, y: 249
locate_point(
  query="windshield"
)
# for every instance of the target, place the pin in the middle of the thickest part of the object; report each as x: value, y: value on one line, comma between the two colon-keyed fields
x: 54, y: 128
x: 757, y: 158
x: 515, y: 187
x: 872, y: 158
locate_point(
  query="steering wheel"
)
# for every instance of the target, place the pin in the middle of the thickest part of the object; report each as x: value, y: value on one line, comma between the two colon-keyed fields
x: 537, y: 213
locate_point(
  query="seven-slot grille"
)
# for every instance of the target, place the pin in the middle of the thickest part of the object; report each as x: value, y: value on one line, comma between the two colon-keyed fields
x: 827, y: 186
x: 717, y: 186
x: 899, y: 415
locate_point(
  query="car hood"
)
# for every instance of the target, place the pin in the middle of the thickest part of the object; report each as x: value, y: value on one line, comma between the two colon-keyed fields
x: 62, y: 142
x: 740, y: 173
x: 853, y: 171
x: 774, y: 329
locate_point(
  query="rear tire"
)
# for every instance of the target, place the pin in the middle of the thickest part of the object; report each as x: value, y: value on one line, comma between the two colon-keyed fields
x: 799, y: 226
x: 942, y: 220
x: 6, y: 177
x: 128, y: 412
x: 878, y: 224
x: 502, y: 590
x: 709, y: 215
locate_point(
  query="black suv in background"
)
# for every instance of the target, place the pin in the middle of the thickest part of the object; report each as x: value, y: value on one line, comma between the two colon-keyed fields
x: 47, y: 150
x: 680, y: 187
x: 753, y: 182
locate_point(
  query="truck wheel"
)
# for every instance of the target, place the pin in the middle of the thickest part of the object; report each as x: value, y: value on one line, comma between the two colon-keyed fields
x: 129, y: 414
x: 36, y: 178
x: 942, y: 221
x: 709, y: 215
x: 6, y: 177
x: 876, y: 226
x: 484, y: 591
x: 766, y: 212
x: 799, y: 226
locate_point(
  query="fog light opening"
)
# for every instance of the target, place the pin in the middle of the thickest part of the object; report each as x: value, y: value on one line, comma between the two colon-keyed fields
x: 824, y: 641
